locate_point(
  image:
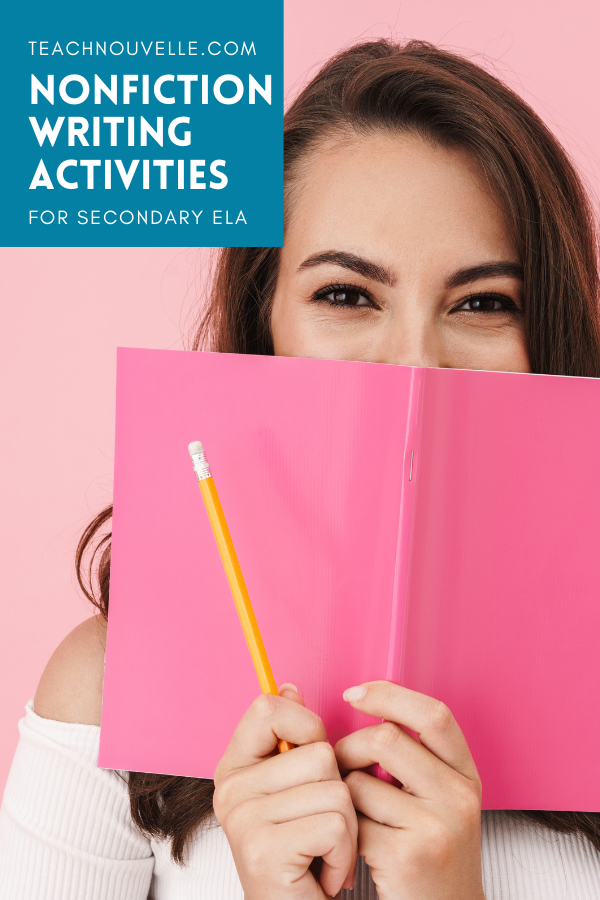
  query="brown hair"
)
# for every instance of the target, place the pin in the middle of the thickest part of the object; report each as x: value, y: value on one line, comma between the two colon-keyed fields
x: 449, y: 100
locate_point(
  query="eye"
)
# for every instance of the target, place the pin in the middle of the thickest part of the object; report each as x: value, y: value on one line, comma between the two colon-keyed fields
x: 487, y: 303
x: 345, y: 295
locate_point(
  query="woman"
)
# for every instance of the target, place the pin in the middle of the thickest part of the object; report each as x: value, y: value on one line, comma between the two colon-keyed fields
x: 431, y: 220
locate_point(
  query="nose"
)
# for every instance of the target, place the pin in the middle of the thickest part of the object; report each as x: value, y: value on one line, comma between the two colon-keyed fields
x: 411, y: 338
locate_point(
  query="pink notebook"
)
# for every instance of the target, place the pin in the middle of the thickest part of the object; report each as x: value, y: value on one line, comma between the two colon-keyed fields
x: 435, y: 527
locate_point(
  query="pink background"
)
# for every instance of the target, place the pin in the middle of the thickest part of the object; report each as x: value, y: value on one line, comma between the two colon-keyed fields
x: 65, y: 311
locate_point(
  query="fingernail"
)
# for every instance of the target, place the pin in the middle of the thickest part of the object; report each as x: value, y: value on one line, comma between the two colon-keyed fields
x: 355, y: 693
x: 289, y: 685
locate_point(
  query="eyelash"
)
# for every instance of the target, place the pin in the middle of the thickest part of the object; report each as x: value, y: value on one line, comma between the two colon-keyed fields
x: 322, y: 296
x: 509, y: 304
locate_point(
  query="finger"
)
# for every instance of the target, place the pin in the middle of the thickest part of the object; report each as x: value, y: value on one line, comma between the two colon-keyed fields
x: 381, y: 801
x: 298, y: 803
x: 267, y: 720
x: 324, y: 835
x: 437, y: 728
x: 420, y: 772
x: 303, y: 765
x: 375, y: 844
x: 291, y: 692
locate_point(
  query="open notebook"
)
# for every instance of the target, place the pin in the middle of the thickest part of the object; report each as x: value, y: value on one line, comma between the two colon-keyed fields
x: 435, y: 527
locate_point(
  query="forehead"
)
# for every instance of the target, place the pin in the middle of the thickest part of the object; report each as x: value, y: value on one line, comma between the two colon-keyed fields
x: 398, y: 194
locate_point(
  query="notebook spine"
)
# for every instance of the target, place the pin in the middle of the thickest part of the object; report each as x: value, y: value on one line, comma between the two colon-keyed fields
x: 410, y: 476
x: 410, y: 471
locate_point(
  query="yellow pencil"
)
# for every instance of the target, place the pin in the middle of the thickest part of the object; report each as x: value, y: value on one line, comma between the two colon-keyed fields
x: 234, y: 575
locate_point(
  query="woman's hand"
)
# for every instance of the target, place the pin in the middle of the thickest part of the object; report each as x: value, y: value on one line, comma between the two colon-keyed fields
x: 280, y: 811
x: 422, y: 841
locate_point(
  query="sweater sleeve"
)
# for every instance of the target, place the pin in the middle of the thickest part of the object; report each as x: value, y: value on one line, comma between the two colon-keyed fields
x: 65, y: 828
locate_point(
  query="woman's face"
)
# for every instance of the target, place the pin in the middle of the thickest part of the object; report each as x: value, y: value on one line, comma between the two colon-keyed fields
x: 396, y: 252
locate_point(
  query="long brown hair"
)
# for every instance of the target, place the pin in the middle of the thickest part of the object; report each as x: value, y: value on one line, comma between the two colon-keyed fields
x: 449, y: 100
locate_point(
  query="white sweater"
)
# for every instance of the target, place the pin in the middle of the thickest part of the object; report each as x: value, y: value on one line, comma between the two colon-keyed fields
x: 66, y: 834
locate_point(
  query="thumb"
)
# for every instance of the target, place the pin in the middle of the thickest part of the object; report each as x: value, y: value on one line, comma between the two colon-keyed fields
x: 290, y: 692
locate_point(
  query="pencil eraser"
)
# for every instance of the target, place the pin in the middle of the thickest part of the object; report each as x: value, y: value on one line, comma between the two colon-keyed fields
x: 195, y: 447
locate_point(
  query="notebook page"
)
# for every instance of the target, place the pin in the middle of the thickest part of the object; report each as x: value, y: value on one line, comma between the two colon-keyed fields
x: 307, y: 458
x: 503, y: 619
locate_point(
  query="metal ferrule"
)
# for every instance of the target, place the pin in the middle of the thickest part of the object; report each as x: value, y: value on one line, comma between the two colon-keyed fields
x: 201, y: 467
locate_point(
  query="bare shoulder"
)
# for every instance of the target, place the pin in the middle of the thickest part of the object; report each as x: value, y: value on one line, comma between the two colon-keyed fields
x: 70, y: 690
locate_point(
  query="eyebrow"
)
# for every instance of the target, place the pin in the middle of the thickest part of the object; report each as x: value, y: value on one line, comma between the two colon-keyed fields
x: 357, y: 264
x: 486, y: 270
x: 376, y: 272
